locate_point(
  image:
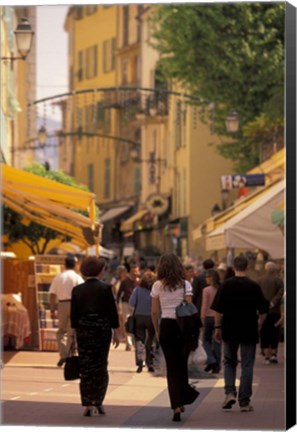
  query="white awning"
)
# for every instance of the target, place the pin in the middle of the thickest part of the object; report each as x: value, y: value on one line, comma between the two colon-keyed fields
x: 252, y: 227
x: 103, y: 252
x: 113, y: 212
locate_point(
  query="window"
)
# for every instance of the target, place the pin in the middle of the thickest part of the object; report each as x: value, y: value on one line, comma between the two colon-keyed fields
x: 91, y: 62
x: 108, y: 55
x: 136, y: 70
x: 79, y: 115
x: 91, y: 177
x: 91, y: 9
x: 103, y: 117
x: 107, y: 178
x: 125, y: 26
x: 137, y: 180
x: 124, y: 72
x: 80, y: 71
x: 139, y: 11
x: 78, y: 12
x: 178, y: 126
x: 89, y: 117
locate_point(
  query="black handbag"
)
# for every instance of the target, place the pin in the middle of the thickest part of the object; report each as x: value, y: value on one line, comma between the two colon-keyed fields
x: 72, y: 366
x: 189, y: 322
x: 130, y: 325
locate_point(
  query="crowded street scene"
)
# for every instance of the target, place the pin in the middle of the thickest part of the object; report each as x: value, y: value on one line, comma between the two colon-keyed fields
x: 143, y: 261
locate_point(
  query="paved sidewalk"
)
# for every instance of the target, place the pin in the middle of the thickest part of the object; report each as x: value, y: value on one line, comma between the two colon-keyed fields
x: 141, y: 400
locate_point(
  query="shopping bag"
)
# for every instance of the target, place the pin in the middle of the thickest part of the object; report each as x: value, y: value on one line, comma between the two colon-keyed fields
x: 198, y: 357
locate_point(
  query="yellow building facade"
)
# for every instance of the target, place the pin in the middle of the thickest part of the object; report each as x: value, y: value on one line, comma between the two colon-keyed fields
x: 18, y: 89
x: 136, y: 112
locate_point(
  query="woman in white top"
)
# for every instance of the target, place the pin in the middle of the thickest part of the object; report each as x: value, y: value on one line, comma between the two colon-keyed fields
x: 167, y: 293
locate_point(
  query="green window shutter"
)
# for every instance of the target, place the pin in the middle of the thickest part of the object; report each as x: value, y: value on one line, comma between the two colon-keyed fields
x: 104, y: 57
x: 91, y: 177
x: 107, y: 178
x: 113, y: 49
x: 95, y: 64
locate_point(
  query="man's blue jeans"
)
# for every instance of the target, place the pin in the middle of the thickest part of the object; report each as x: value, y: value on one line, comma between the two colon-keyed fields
x: 247, y: 354
x: 212, y: 347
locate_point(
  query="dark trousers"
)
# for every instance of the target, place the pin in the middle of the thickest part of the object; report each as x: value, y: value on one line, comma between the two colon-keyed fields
x: 270, y: 334
x: 172, y: 344
x: 247, y: 354
x: 93, y: 348
x: 144, y: 336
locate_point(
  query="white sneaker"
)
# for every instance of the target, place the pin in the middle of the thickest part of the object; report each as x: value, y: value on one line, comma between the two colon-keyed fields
x: 266, y: 361
x: 246, y: 408
x: 229, y: 401
x: 273, y: 359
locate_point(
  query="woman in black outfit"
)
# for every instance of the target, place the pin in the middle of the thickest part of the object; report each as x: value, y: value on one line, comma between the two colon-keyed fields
x: 167, y: 293
x: 93, y: 316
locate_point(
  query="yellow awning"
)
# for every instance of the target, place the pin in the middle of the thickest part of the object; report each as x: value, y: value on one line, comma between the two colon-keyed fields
x: 127, y: 225
x: 273, y: 167
x: 49, y: 203
x: 46, y: 189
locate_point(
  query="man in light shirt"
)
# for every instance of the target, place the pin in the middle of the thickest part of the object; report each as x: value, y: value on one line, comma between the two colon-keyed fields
x: 61, y: 290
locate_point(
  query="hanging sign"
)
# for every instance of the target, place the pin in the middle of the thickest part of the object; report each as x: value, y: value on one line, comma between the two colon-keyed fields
x: 157, y: 204
x: 242, y: 180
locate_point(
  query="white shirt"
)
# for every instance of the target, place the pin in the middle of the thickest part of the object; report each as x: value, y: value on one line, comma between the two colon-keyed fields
x: 169, y: 299
x: 63, y: 284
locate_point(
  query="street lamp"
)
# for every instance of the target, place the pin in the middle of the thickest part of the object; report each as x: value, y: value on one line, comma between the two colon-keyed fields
x: 42, y: 136
x: 23, y: 36
x: 232, y: 121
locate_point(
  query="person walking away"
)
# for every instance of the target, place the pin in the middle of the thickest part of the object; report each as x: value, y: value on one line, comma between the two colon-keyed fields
x: 222, y: 269
x: 212, y: 347
x: 95, y: 320
x: 190, y: 272
x: 167, y: 293
x: 141, y: 301
x: 241, y: 309
x: 273, y: 289
x: 60, y: 291
x: 125, y: 290
x: 121, y: 274
x: 199, y: 282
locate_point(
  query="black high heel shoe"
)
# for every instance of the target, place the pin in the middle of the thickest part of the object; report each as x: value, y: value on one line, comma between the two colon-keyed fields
x: 88, y: 412
x: 101, y: 410
x: 176, y: 417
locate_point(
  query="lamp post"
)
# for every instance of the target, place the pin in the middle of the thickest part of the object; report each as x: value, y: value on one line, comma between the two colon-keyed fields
x: 23, y: 36
x: 232, y: 121
x: 42, y: 136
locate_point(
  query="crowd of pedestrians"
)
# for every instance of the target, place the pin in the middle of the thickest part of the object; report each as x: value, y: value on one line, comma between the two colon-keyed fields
x: 237, y: 312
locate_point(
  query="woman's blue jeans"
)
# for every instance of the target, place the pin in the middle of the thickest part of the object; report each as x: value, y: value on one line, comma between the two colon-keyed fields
x: 212, y: 348
x: 247, y: 355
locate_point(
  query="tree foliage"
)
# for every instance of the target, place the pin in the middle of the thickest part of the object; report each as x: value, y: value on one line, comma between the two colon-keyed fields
x: 233, y: 56
x: 18, y: 228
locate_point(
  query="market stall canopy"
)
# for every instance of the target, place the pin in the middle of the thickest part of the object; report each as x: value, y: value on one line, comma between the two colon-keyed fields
x: 49, y: 203
x: 252, y: 227
x: 127, y: 225
x: 113, y: 213
x: 68, y: 247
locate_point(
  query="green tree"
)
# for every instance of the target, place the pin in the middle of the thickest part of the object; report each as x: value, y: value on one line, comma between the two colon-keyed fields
x: 231, y: 55
x: 18, y: 228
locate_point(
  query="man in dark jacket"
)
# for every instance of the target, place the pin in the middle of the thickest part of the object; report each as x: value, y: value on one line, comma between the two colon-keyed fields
x: 241, y: 309
x: 199, y: 282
